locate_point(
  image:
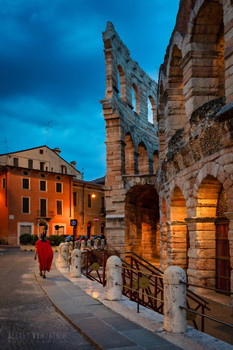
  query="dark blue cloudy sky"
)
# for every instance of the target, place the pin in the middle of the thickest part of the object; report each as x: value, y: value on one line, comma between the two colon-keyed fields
x: 52, y: 70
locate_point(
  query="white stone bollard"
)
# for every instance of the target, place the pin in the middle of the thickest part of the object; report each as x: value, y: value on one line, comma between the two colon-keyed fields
x: 64, y: 259
x: 89, y: 243
x: 83, y: 245
x: 58, y: 261
x: 102, y: 243
x: 114, y: 278
x: 70, y: 247
x: 174, y: 298
x: 76, y: 262
x: 95, y: 244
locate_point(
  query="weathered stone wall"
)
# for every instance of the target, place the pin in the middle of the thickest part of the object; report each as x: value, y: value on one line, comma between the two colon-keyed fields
x: 195, y: 115
x: 131, y: 140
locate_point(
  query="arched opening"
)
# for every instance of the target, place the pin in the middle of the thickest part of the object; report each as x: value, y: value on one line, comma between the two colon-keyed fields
x: 143, y: 160
x: 179, y: 240
x: 135, y: 99
x: 208, y: 63
x: 121, y: 82
x: 175, y: 107
x: 142, y: 218
x: 129, y: 155
x: 161, y: 122
x: 152, y: 112
x: 89, y: 229
x: 212, y: 234
x: 102, y: 228
x: 155, y: 161
x: 163, y: 235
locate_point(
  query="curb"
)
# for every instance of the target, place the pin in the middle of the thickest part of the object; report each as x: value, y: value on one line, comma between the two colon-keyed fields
x: 85, y: 335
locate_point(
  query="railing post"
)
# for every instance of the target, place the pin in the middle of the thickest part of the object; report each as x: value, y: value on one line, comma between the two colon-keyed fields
x: 175, y: 300
x: 114, y: 280
x: 76, y: 263
x: 104, y: 267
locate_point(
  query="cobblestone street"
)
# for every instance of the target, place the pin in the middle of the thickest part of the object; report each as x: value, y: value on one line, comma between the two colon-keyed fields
x: 27, y: 318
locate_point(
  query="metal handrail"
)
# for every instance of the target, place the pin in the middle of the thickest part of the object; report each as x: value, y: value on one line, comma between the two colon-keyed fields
x: 143, y: 273
x: 139, y: 257
x: 137, y: 291
x: 204, y: 287
x: 209, y: 317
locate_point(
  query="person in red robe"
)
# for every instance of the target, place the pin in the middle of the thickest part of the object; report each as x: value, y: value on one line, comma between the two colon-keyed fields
x: 45, y: 254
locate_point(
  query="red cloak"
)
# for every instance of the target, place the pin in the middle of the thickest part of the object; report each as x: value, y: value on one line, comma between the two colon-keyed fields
x: 45, y: 255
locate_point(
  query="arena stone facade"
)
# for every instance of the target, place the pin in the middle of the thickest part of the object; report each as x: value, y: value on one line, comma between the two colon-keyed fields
x: 178, y: 206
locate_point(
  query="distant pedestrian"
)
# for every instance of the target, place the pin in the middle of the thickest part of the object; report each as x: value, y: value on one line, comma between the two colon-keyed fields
x: 45, y: 254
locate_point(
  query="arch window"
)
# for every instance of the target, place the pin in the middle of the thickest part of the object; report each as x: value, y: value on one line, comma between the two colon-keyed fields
x: 152, y: 112
x: 135, y: 99
x: 121, y: 81
x: 175, y: 106
x: 207, y: 57
x: 179, y: 238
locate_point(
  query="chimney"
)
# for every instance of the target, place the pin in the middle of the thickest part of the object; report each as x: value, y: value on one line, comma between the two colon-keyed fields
x: 73, y: 163
x: 57, y: 151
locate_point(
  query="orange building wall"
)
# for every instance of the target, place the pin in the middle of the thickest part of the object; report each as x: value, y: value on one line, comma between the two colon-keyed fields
x: 16, y: 192
x: 3, y: 212
x: 86, y: 215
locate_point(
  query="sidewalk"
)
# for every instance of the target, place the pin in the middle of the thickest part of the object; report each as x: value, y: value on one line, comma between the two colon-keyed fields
x: 116, y: 325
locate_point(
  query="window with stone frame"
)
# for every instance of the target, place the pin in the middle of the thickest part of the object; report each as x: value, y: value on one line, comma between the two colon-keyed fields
x: 15, y: 161
x: 59, y: 207
x: 26, y: 205
x: 89, y: 201
x: 58, y: 187
x: 25, y: 183
x: 43, y: 185
x: 30, y: 163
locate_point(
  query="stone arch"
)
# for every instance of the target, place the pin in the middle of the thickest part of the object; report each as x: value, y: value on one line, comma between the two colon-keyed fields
x: 129, y: 155
x: 141, y: 221
x: 213, y: 252
x: 163, y: 234
x: 121, y: 82
x: 206, y: 50
x: 152, y: 110
x: 178, y: 237
x: 135, y: 98
x: 175, y: 105
x: 89, y: 229
x: 161, y: 122
x: 143, y: 159
x: 155, y: 161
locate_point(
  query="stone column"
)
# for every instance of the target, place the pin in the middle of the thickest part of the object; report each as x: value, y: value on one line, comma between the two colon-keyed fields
x: 178, y: 243
x: 202, y: 251
x: 114, y: 278
x: 174, y: 298
x: 229, y: 215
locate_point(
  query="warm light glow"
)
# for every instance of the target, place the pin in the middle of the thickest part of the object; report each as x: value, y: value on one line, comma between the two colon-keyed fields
x: 93, y: 195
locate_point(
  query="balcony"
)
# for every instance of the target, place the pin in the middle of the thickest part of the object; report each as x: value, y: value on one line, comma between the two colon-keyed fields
x: 41, y: 214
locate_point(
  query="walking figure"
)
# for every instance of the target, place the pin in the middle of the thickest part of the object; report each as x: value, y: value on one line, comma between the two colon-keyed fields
x: 45, y: 254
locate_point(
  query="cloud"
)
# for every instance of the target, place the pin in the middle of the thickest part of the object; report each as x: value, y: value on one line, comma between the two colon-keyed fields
x: 52, y: 69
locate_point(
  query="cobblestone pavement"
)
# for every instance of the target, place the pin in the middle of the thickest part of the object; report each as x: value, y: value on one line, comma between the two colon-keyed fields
x: 27, y: 318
